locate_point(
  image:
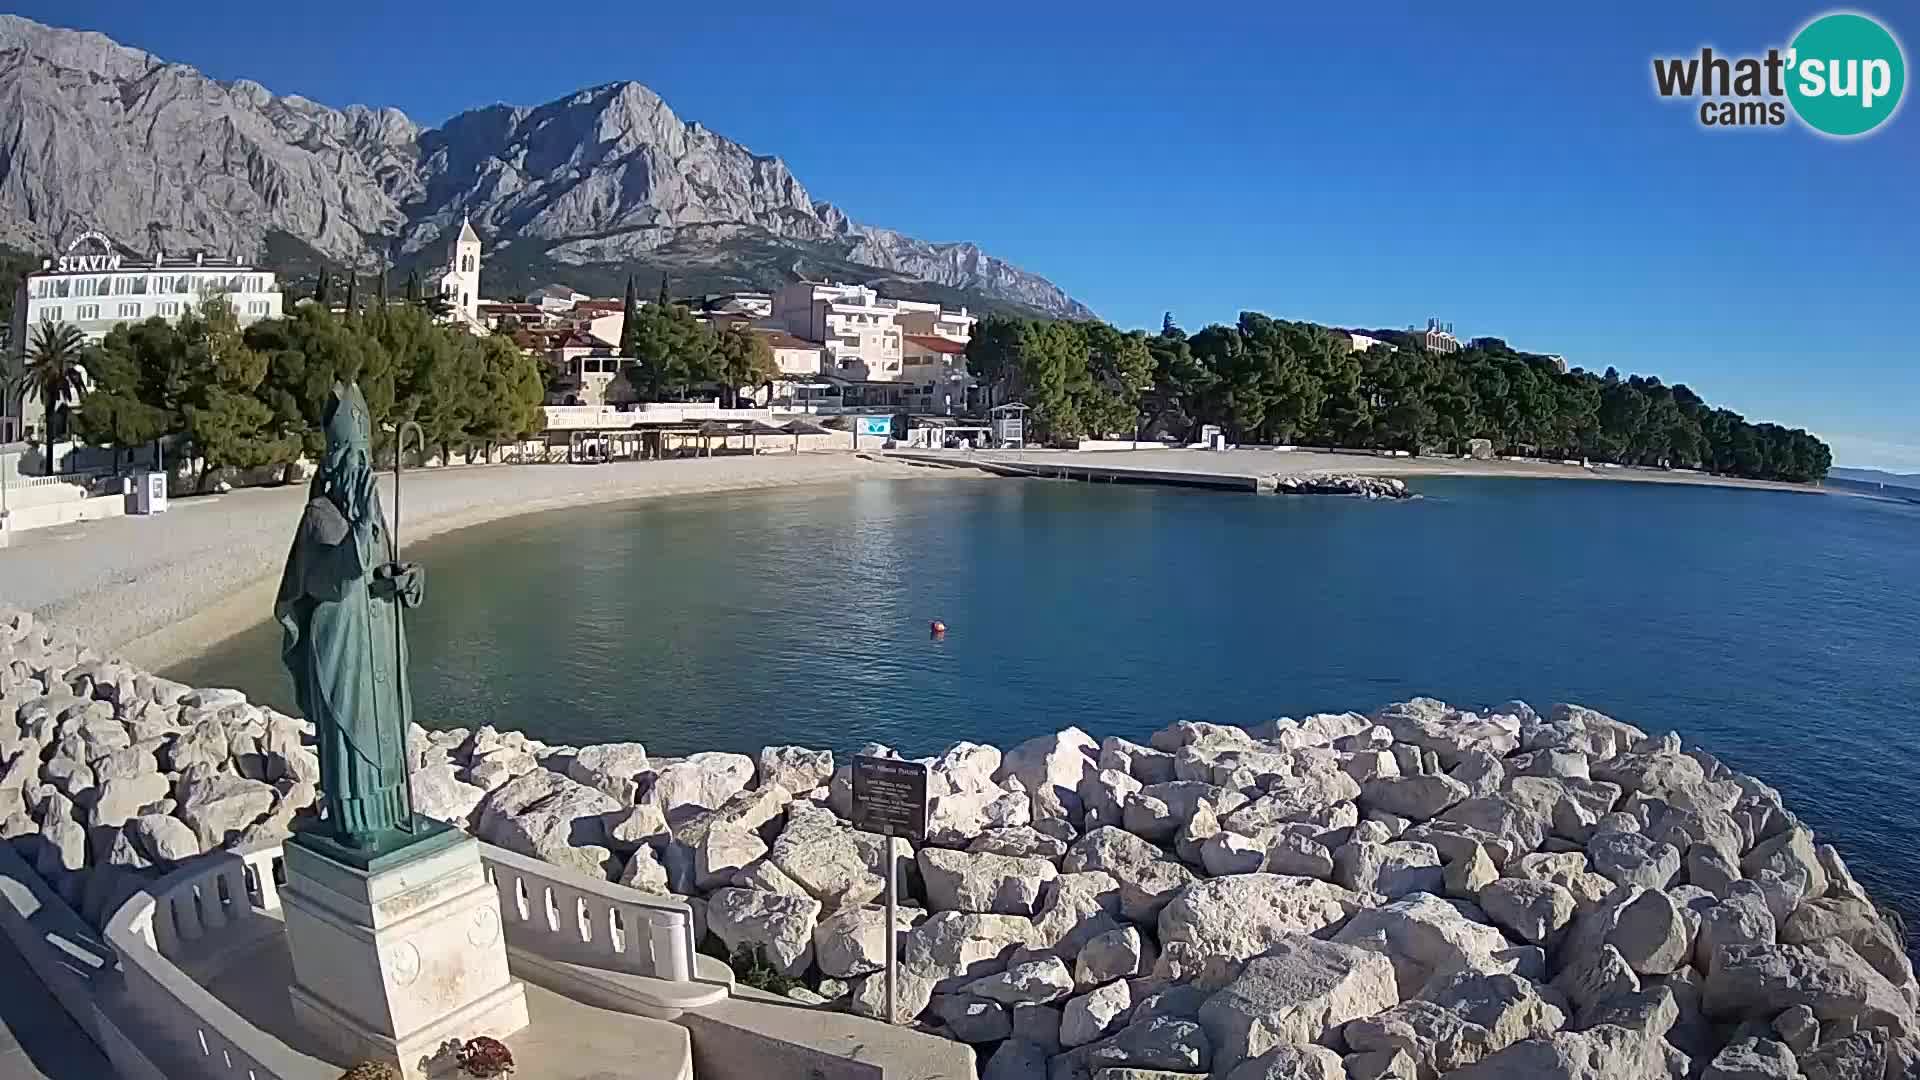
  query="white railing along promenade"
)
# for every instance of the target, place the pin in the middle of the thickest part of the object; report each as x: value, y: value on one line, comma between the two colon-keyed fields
x: 184, y: 910
x: 550, y: 914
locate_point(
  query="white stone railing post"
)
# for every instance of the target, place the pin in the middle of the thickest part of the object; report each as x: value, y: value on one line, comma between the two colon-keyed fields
x: 672, y: 934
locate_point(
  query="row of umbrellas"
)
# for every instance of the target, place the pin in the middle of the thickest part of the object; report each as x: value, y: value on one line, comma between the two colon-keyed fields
x: 757, y: 428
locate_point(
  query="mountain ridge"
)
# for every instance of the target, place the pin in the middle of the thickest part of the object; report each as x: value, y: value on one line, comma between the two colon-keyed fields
x: 599, y: 182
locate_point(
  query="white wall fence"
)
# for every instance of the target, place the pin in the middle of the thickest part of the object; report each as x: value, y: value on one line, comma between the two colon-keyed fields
x: 576, y: 417
x: 222, y: 901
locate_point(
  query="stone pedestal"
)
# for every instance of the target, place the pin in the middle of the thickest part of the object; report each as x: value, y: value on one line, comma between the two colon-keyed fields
x: 392, y: 961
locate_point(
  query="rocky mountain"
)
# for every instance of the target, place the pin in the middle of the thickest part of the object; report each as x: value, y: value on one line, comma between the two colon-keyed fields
x: 585, y: 188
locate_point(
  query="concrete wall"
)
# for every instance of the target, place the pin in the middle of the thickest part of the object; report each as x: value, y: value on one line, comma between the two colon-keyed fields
x: 755, y: 1036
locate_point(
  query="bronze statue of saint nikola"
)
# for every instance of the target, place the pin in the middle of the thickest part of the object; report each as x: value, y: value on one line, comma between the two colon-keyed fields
x: 340, y: 603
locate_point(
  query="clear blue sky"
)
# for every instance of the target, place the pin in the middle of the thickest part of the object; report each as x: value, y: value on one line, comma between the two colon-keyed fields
x: 1503, y: 166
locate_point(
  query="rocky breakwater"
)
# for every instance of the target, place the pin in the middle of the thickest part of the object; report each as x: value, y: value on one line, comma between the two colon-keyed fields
x: 1371, y: 487
x: 1421, y: 892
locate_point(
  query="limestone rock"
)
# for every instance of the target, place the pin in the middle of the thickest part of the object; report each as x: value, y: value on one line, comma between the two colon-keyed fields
x: 166, y: 840
x: 1105, y: 792
x: 721, y: 854
x: 983, y: 884
x: 1016, y: 1059
x: 1533, y: 910
x: 221, y: 807
x: 1095, y: 1014
x: 828, y: 860
x: 563, y: 826
x: 1035, y: 982
x: 705, y: 779
x: 1790, y: 854
x: 1156, y: 812
x: 1231, y: 853
x: 780, y: 926
x: 1292, y: 1063
x: 439, y: 793
x: 1468, y: 874
x: 1051, y: 767
x: 1020, y: 842
x: 123, y: 797
x: 1392, y: 870
x: 1156, y: 1042
x: 1144, y: 763
x: 1381, y: 1065
x: 1075, y: 909
x: 1244, y: 915
x: 1415, y: 797
x: 952, y: 948
x: 853, y: 941
x: 1148, y: 876
x: 1117, y: 954
x: 1298, y: 991
x: 1633, y: 859
x: 970, y: 1019
x: 1753, y: 1059
x: 1741, y: 919
x: 1601, y: 1053
x: 1429, y: 939
x: 794, y: 768
x: 1758, y: 982
x: 644, y: 871
x: 1458, y: 1022
x: 1652, y: 934
x: 1298, y: 855
x: 636, y: 826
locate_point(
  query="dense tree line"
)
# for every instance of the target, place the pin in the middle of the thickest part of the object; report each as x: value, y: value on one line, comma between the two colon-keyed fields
x: 673, y: 352
x: 1266, y: 380
x: 253, y: 397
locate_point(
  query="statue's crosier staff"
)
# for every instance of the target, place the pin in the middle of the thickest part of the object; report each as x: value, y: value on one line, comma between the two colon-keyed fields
x: 393, y: 556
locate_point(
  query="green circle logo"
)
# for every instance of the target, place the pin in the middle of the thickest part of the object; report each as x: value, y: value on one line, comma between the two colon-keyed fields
x: 1845, y: 73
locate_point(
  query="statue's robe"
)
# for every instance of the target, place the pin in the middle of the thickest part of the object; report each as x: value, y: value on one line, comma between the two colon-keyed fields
x: 348, y: 666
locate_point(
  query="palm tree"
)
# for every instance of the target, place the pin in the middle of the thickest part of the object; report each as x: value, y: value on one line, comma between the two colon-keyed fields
x: 53, y: 369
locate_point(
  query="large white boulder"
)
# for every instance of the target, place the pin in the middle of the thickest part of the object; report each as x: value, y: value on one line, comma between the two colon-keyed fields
x: 699, y: 780
x: 1242, y: 916
x: 1148, y: 876
x: 1051, y: 767
x: 795, y: 768
x: 1096, y: 1013
x: 1458, y: 1022
x: 1430, y: 940
x: 853, y: 940
x: 565, y: 825
x: 780, y: 926
x: 1299, y: 990
x: 615, y: 768
x: 439, y: 793
x: 983, y: 884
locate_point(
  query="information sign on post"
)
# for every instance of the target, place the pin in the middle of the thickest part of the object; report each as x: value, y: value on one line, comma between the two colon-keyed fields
x: 890, y: 798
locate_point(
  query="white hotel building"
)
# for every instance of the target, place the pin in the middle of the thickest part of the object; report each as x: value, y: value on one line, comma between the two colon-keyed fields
x: 96, y: 290
x: 882, y: 353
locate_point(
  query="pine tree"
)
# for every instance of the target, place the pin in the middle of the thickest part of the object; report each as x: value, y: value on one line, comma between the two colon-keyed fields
x: 629, y: 320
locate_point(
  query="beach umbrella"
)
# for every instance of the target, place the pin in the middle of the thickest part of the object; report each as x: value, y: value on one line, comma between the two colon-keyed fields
x: 759, y: 428
x: 711, y: 428
x: 804, y: 427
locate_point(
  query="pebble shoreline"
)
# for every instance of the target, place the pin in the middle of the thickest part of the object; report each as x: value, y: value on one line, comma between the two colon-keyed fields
x: 1420, y: 892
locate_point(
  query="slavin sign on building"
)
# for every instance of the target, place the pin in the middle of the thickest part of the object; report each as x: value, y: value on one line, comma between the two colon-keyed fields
x: 77, y: 260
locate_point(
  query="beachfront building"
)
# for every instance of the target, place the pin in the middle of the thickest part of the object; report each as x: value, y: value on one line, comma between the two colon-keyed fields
x: 799, y: 386
x: 583, y: 369
x: 935, y: 367
x: 93, y: 287
x: 856, y: 329
x: 931, y: 320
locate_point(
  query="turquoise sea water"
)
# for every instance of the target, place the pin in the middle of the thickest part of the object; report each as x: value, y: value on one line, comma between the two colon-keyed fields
x: 1780, y: 630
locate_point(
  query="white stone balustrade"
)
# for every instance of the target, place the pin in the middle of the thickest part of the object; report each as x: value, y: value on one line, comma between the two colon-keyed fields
x: 568, y: 917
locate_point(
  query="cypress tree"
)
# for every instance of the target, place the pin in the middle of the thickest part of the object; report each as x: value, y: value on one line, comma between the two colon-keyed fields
x: 353, y: 294
x: 413, y: 286
x: 664, y: 299
x: 629, y: 320
x: 321, y: 292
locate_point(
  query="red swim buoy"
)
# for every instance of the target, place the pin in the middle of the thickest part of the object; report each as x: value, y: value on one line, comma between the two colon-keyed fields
x: 937, y: 627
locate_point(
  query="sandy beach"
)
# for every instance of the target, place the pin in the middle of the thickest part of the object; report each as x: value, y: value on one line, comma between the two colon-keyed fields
x: 162, y: 589
x: 1296, y: 462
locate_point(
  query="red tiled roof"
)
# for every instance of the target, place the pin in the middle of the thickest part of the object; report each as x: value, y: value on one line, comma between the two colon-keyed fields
x: 603, y: 306
x: 938, y: 344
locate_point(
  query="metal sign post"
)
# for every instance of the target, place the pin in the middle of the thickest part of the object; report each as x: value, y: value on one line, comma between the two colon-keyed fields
x: 890, y: 797
x: 893, y: 910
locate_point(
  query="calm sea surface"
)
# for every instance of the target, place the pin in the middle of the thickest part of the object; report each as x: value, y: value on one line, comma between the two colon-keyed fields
x: 1782, y: 631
